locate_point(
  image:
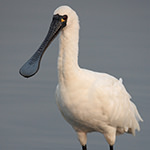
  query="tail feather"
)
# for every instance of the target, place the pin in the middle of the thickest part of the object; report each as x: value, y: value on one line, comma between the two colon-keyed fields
x: 135, y: 124
x: 137, y: 115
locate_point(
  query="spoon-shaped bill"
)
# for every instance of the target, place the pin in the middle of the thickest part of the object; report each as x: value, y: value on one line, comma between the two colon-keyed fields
x: 31, y: 67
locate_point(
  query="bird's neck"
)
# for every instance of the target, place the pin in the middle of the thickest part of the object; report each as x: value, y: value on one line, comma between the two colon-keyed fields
x: 68, y: 54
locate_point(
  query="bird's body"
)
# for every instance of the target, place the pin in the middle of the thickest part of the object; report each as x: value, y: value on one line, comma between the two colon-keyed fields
x: 97, y: 102
x: 89, y: 101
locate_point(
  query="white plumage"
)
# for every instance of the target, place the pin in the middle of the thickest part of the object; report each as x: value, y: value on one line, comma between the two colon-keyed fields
x: 88, y: 100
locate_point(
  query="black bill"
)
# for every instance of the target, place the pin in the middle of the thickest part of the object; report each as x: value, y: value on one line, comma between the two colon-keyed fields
x: 31, y: 67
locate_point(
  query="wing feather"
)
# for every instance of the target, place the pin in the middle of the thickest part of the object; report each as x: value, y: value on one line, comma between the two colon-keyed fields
x: 122, y: 112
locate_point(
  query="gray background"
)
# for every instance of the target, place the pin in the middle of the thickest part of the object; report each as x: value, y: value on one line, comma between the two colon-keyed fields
x: 114, y: 38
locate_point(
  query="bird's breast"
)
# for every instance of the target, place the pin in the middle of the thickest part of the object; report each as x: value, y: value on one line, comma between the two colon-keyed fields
x: 76, y: 107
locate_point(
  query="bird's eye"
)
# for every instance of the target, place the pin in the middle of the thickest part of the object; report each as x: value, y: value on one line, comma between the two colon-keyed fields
x: 65, y: 17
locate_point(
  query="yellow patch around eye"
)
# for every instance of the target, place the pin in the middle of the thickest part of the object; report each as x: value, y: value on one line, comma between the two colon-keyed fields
x: 62, y: 20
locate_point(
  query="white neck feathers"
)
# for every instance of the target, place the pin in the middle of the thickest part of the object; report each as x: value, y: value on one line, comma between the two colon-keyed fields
x: 68, y: 53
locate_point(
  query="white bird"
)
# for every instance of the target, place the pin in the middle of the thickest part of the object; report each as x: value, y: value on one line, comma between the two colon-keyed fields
x: 89, y: 101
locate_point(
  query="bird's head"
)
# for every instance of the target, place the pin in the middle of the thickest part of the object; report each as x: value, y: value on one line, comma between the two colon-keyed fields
x: 63, y: 18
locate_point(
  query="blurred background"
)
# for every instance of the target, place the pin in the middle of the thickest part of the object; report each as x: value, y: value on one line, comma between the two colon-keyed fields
x: 114, y: 38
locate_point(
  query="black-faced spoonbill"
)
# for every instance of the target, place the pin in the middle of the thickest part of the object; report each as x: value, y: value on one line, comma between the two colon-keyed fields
x: 89, y: 101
